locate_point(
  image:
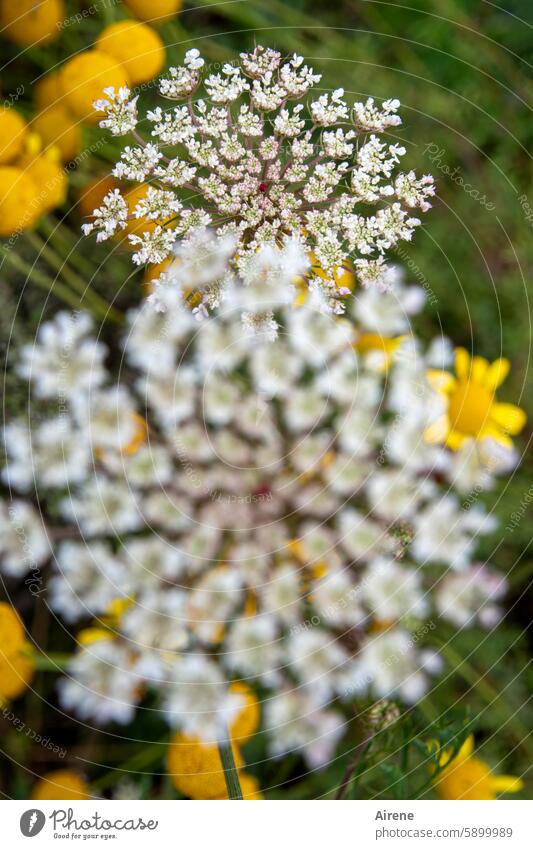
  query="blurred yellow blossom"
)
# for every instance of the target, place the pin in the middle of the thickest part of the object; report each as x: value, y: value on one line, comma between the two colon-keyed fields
x: 19, y: 207
x: 61, y: 784
x: 57, y: 126
x: 16, y: 666
x: 45, y: 169
x: 92, y: 195
x: 246, y: 722
x: 13, y: 131
x: 154, y: 10
x: 383, y: 347
x: 196, y: 769
x: 84, y: 78
x: 27, y: 23
x: 468, y: 777
x: 49, y: 91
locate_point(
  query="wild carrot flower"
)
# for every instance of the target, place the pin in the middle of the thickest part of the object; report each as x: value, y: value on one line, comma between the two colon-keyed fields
x: 246, y: 153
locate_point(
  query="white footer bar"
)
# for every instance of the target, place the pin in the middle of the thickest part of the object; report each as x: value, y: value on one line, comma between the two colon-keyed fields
x: 269, y: 825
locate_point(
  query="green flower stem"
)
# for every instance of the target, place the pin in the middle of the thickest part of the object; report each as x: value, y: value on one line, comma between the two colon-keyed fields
x: 53, y: 287
x: 492, y: 697
x: 99, y: 305
x: 354, y: 767
x: 230, y: 770
x: 148, y: 755
x: 51, y: 662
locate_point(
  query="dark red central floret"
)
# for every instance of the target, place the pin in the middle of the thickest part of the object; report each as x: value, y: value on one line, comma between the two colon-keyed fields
x: 263, y: 187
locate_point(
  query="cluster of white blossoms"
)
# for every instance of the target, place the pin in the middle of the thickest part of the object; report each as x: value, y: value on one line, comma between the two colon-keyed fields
x: 241, y: 155
x: 231, y: 511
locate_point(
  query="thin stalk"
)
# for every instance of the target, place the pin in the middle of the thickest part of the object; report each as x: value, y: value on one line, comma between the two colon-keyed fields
x: 51, y: 662
x: 149, y: 755
x: 353, y: 767
x: 54, y: 232
x: 230, y: 770
x: 492, y: 697
x: 99, y: 305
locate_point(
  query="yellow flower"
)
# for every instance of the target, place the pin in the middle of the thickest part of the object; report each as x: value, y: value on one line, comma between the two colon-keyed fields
x: 13, y: 130
x: 93, y: 634
x: 16, y: 666
x: 154, y: 10
x: 19, y: 207
x: 345, y: 278
x: 471, y: 407
x: 49, y: 91
x: 153, y: 272
x: 383, y: 346
x: 11, y: 629
x: 58, y: 127
x: 27, y: 22
x: 84, y: 78
x: 246, y: 721
x: 196, y: 769
x: 61, y: 784
x: 468, y: 777
x: 45, y: 169
x: 137, y: 46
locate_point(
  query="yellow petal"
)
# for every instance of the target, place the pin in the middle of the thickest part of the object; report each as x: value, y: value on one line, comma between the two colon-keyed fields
x: 462, y: 362
x: 93, y: 635
x: 455, y: 440
x: 441, y: 381
x: 466, y: 749
x: 479, y: 369
x: 510, y: 417
x: 437, y: 431
x: 506, y: 784
x: 496, y: 373
x: 494, y: 431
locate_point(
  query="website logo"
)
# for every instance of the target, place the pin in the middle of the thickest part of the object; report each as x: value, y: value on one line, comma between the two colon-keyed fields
x: 32, y: 822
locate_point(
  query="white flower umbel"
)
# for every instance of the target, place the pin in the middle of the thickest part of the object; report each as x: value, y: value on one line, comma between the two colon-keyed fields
x: 268, y: 512
x: 250, y: 153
